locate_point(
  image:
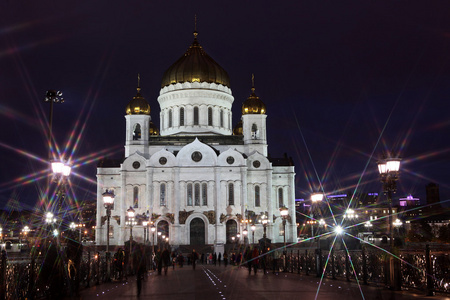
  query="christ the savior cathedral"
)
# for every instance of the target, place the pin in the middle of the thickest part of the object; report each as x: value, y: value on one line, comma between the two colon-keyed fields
x: 198, y: 180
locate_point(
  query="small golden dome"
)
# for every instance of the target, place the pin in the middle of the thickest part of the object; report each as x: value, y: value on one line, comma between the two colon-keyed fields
x: 153, y: 130
x: 138, y: 105
x: 238, y: 130
x: 195, y: 66
x: 253, y: 105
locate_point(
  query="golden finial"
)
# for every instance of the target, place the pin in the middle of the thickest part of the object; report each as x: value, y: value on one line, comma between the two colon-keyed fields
x: 253, y: 83
x: 195, y: 26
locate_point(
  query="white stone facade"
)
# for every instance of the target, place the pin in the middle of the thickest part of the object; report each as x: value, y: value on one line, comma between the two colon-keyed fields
x: 197, y: 172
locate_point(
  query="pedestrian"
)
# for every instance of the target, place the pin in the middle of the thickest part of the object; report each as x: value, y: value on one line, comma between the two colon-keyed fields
x: 158, y: 259
x: 203, y: 258
x: 219, y: 258
x: 225, y: 258
x: 210, y: 258
x: 255, y: 259
x: 215, y: 258
x: 174, y: 259
x: 180, y: 260
x: 139, y: 265
x: 165, y: 255
x: 194, y: 258
x: 248, y: 259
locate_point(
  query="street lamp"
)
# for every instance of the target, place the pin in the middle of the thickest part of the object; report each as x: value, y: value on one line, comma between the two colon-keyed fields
x: 245, y: 233
x: 284, y: 212
x: 253, y: 228
x: 158, y: 238
x: 131, y: 223
x: 108, y: 201
x: 144, y: 225
x: 25, y: 232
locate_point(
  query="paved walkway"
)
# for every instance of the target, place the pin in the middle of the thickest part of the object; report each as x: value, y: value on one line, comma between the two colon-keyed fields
x: 214, y: 282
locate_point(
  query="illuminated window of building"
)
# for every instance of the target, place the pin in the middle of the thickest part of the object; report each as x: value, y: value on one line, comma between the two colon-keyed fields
x: 230, y: 194
x: 196, y: 115
x: 162, y: 195
x: 210, y: 116
x: 204, y: 194
x: 257, y: 198
x: 280, y: 198
x: 197, y: 194
x: 189, y: 194
x: 135, y: 197
x: 181, y: 116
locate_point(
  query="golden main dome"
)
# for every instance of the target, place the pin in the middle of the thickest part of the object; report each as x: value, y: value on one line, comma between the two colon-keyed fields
x: 253, y: 105
x: 195, y: 66
x: 138, y: 105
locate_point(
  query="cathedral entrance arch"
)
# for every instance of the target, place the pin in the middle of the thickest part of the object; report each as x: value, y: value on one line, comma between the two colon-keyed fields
x: 231, y: 228
x: 163, y: 227
x: 197, y: 232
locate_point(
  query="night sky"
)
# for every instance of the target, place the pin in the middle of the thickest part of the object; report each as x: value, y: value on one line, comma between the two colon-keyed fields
x: 343, y: 81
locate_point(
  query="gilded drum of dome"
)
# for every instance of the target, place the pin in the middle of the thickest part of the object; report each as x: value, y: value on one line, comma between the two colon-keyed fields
x: 195, y: 66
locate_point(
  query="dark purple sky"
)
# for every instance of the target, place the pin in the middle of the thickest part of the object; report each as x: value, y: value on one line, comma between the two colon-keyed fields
x: 343, y: 81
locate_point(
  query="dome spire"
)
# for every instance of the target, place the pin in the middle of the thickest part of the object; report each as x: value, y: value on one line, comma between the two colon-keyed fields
x: 139, y: 84
x: 253, y: 83
x: 195, y: 27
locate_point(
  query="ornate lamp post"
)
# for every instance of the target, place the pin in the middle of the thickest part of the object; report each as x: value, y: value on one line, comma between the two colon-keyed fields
x: 108, y: 201
x: 389, y: 170
x: 253, y: 228
x: 131, y: 222
x: 158, y: 238
x: 284, y: 212
x: 25, y: 232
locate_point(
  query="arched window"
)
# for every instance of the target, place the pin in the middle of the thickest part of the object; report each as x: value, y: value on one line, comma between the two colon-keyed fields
x: 257, y: 198
x: 170, y: 118
x: 135, y: 197
x: 137, y: 132
x: 196, y: 115
x: 181, y: 116
x: 280, y: 197
x: 221, y: 118
x: 162, y: 194
x: 197, y: 194
x: 230, y: 194
x: 210, y: 116
x: 189, y: 194
x: 205, y: 194
x: 254, y: 131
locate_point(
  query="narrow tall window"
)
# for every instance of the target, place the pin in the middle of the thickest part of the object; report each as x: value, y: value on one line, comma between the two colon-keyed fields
x: 230, y: 194
x: 181, y: 116
x: 170, y: 118
x: 221, y: 118
x: 137, y: 132
x: 280, y: 197
x: 205, y: 194
x: 210, y: 116
x: 135, y: 197
x: 229, y: 121
x: 196, y: 115
x: 197, y: 194
x: 189, y: 194
x: 162, y: 195
x: 257, y: 198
